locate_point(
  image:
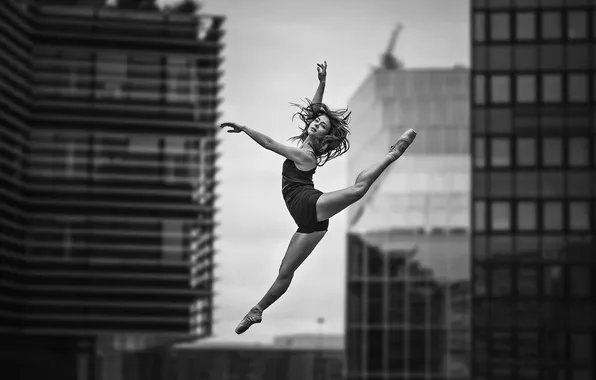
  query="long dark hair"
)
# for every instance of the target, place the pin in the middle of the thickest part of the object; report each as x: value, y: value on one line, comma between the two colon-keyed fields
x: 335, y: 142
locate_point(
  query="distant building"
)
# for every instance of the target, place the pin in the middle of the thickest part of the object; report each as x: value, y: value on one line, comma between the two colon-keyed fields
x: 241, y: 361
x: 107, y: 171
x: 407, y: 312
x: 534, y: 189
x: 312, y: 341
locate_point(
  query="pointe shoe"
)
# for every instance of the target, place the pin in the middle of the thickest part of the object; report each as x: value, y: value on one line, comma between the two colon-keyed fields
x: 402, y: 144
x: 253, y: 316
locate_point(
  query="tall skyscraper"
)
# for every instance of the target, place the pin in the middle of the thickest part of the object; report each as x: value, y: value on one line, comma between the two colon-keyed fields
x: 107, y: 170
x: 408, y: 242
x: 534, y: 183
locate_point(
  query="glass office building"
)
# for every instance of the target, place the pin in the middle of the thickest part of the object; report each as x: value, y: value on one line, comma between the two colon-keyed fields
x: 534, y: 183
x: 407, y: 312
x: 107, y: 170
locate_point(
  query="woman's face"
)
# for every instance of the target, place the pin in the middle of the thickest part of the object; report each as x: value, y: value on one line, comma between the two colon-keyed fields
x: 319, y: 127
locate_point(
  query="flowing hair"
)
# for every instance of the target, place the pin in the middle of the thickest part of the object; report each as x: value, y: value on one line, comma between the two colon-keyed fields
x: 335, y: 142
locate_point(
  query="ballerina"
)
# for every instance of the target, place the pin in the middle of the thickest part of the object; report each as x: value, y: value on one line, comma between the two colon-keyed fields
x: 323, y: 137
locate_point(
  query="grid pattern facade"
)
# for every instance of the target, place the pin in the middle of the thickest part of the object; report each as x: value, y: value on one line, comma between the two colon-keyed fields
x: 407, y: 310
x: 108, y: 169
x: 534, y: 188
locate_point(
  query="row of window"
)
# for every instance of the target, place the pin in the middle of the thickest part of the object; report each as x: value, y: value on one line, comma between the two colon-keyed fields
x: 528, y: 57
x: 530, y: 216
x: 531, y: 88
x: 526, y: 25
x: 531, y: 247
x: 500, y: 4
x: 531, y: 152
x: 574, y: 281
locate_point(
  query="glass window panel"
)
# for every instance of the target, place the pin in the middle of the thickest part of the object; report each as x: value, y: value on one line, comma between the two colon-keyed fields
x: 526, y: 89
x: 552, y: 184
x: 551, y: 88
x: 580, y: 281
x: 499, y: 57
x: 479, y: 184
x: 500, y: 216
x: 551, y: 57
x: 499, y: 26
x: 480, y: 58
x: 552, y: 247
x: 526, y: 151
x: 527, y: 281
x: 579, y: 216
x: 582, y: 374
x: 551, y: 25
x: 525, y: 24
x: 578, y: 151
x: 527, y: 216
x: 479, y: 26
x: 578, y: 184
x: 501, y: 282
x: 500, y: 155
x: 552, y: 152
x: 526, y: 3
x: 577, y: 57
x: 480, y: 216
x: 479, y: 152
x: 526, y: 247
x: 500, y: 184
x: 525, y: 57
x: 499, y: 3
x: 480, y: 247
x: 526, y: 184
x: 577, y: 88
x: 500, y: 120
x: 500, y: 246
x: 499, y: 89
x: 577, y: 25
x: 480, y: 89
x: 552, y: 216
x: 552, y: 3
x: 479, y: 280
x: 553, y: 280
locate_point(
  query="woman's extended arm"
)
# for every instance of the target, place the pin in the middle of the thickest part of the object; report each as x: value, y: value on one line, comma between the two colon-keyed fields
x: 322, y: 72
x: 297, y: 155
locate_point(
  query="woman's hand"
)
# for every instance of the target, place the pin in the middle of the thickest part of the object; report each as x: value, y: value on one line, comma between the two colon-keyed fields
x: 236, y: 128
x: 322, y: 71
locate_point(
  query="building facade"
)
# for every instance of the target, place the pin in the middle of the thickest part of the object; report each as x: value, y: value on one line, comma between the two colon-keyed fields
x: 107, y: 163
x: 534, y: 182
x: 407, y: 312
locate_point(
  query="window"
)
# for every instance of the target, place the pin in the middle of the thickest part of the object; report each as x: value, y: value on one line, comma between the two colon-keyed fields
x: 552, y: 152
x: 552, y: 216
x: 172, y: 239
x: 479, y: 184
x: 578, y: 152
x: 525, y: 25
x: 526, y: 151
x: 551, y: 88
x: 577, y: 88
x: 577, y: 25
x: 526, y: 216
x: 552, y: 184
x: 479, y: 26
x: 500, y: 184
x: 580, y: 281
x: 526, y: 184
x: 527, y: 281
x: 499, y: 89
x: 479, y: 152
x: 111, y: 71
x: 526, y: 89
x: 479, y: 89
x: 582, y: 374
x: 180, y: 79
x: 499, y: 26
x: 500, y: 120
x: 578, y: 183
x: 479, y: 216
x: 577, y: 57
x: 525, y: 57
x: 499, y: 156
x: 551, y: 57
x: 499, y: 57
x: 551, y: 25
x: 500, y: 216
x: 579, y: 216
x: 480, y: 58
x: 501, y: 282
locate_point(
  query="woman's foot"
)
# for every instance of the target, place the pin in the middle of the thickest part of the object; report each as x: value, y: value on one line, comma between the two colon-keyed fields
x: 253, y: 316
x: 402, y: 144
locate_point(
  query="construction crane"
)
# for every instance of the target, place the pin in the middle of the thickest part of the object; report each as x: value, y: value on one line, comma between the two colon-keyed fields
x: 388, y: 60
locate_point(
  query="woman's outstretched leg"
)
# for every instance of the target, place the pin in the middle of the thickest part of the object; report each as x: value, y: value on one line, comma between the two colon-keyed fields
x: 334, y: 202
x: 300, y: 247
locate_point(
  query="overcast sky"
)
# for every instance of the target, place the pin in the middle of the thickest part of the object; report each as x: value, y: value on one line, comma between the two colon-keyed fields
x: 271, y: 51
